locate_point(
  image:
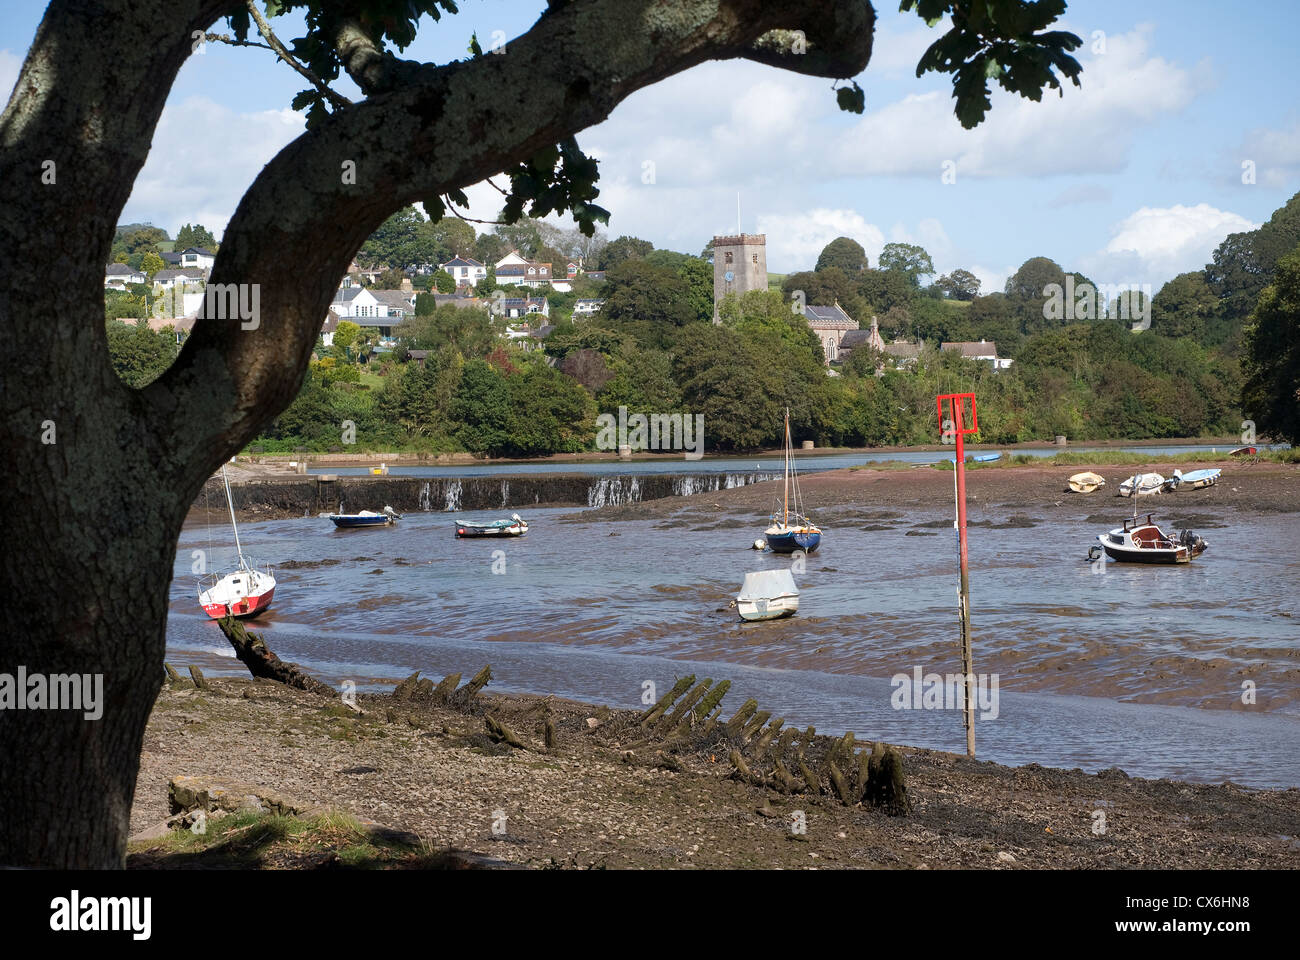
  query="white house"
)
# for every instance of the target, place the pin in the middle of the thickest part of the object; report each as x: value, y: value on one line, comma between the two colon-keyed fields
x: 328, y: 328
x: 118, y: 275
x: 198, y: 258
x: 515, y: 307
x: 465, y: 270
x: 400, y: 303
x: 986, y: 350
x: 514, y: 269
x: 586, y: 308
x: 355, y: 303
x: 186, y: 278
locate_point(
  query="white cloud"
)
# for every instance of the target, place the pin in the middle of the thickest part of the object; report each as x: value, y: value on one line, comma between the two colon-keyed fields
x: 1275, y: 153
x: 1154, y: 244
x: 203, y: 158
x: 1088, y: 130
x: 797, y: 238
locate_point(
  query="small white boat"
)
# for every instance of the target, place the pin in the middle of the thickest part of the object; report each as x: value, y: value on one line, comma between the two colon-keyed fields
x: 768, y: 595
x: 516, y: 526
x: 1143, y: 485
x: 1141, y: 541
x: 1086, y: 482
x: 1196, y: 479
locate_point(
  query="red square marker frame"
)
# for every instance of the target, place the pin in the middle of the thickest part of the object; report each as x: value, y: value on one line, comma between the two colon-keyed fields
x: 957, y: 414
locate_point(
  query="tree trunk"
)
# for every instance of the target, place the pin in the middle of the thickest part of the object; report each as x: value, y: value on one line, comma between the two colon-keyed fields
x: 98, y: 476
x: 88, y: 574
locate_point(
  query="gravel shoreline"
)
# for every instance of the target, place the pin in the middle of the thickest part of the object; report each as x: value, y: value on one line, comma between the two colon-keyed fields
x: 584, y: 803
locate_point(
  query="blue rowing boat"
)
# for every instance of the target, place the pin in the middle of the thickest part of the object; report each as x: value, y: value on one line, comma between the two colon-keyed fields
x: 1196, y: 479
x: 366, y: 518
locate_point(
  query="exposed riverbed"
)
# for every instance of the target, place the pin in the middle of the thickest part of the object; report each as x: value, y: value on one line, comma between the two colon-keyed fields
x: 1137, y: 667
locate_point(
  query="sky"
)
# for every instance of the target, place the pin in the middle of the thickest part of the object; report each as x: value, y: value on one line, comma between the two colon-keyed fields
x: 1131, y: 179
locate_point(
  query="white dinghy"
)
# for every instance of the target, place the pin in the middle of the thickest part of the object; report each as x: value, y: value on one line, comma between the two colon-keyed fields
x: 768, y: 595
x: 1143, y: 485
x: 1086, y: 482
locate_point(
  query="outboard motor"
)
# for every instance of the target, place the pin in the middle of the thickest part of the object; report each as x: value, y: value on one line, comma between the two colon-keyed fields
x: 1195, y: 545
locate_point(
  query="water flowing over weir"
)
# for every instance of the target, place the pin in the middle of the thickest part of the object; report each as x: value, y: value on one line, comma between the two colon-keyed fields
x: 312, y: 495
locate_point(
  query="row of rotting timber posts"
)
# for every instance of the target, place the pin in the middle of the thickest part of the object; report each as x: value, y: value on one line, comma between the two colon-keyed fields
x: 689, y: 718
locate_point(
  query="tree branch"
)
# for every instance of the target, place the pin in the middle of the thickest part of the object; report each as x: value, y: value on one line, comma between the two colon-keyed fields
x: 302, y: 220
x: 265, y: 30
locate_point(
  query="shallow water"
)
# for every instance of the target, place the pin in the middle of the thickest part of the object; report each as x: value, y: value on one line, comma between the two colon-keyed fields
x: 592, y: 610
x: 669, y: 463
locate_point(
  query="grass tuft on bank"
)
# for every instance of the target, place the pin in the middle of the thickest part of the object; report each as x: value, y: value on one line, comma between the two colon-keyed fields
x: 251, y: 840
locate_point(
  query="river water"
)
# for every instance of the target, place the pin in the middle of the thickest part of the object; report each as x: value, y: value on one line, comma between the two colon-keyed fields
x: 594, y: 610
x: 672, y: 464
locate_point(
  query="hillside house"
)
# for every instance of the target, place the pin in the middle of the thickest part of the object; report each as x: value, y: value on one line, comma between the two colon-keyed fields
x: 185, y: 277
x: 513, y: 308
x: 198, y: 258
x: 117, y: 276
x: 515, y: 270
x: 986, y: 350
x: 466, y: 271
x: 357, y: 303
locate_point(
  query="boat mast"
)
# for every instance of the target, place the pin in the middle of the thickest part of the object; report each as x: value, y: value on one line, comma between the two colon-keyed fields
x: 785, y: 496
x: 233, y: 526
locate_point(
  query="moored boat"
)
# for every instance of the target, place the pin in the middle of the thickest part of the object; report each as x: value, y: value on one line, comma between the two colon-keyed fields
x: 245, y: 593
x: 1243, y: 452
x: 1086, y: 482
x: 516, y: 526
x: 1142, y: 541
x: 791, y: 530
x: 1196, y: 479
x: 1143, y: 485
x: 767, y: 595
x: 366, y: 518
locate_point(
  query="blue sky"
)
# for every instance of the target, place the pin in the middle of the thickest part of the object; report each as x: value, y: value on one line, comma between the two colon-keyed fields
x: 1131, y: 179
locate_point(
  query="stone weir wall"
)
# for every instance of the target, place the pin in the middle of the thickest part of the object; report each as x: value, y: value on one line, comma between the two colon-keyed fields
x: 310, y: 495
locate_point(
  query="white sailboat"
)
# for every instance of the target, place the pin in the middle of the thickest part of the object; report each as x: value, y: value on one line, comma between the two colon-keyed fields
x: 245, y: 593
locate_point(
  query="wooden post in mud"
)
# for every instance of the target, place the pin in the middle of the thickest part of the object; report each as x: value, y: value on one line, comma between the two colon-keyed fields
x: 957, y: 427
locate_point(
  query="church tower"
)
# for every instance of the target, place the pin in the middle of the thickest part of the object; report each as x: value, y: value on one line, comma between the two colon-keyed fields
x: 739, y: 265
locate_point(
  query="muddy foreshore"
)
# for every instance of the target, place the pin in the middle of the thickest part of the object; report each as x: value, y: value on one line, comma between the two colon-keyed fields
x: 587, y: 801
x: 264, y: 491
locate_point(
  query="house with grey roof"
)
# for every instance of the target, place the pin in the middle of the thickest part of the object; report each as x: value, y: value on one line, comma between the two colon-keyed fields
x: 400, y: 303
x: 516, y: 270
x: 185, y: 277
x: 118, y: 275
x: 465, y: 271
x: 515, y: 307
x: 200, y: 258
x: 986, y: 350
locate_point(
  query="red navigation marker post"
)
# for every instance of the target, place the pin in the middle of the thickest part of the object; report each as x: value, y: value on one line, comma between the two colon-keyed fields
x: 954, y: 425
